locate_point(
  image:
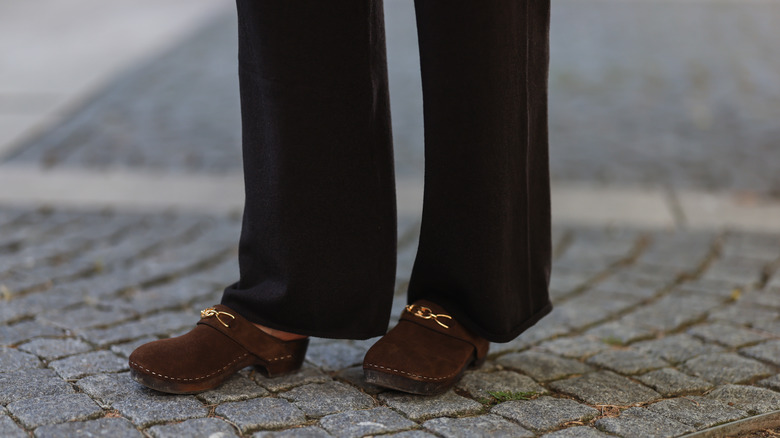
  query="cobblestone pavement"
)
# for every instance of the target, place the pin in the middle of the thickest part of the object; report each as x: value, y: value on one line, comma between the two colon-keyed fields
x: 653, y: 334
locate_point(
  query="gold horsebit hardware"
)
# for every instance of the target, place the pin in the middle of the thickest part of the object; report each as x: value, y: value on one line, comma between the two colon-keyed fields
x: 426, y: 313
x: 214, y: 312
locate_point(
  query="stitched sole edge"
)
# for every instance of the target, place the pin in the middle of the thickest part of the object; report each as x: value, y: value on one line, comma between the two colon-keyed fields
x: 414, y: 386
x: 176, y: 388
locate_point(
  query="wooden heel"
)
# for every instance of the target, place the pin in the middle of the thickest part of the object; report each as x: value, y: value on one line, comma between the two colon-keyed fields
x: 289, y: 364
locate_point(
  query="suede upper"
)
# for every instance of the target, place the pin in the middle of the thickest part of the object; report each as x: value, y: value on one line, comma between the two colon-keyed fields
x: 422, y: 350
x: 211, y: 352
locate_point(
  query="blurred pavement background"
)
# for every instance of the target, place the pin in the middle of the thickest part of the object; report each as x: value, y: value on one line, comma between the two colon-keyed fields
x: 661, y: 113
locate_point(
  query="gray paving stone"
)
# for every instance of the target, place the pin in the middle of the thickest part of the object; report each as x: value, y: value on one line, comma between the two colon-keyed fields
x: 577, y: 432
x: 582, y: 311
x: 146, y: 409
x: 774, y: 281
x: 676, y: 348
x: 670, y: 382
x: 483, y: 425
x: 12, y: 359
x: 722, y: 368
x: 750, y: 399
x: 51, y: 349
x: 410, y: 434
x: 169, y: 297
x: 172, y: 261
x: 479, y: 385
x: 566, y: 282
x: 734, y: 271
x: 83, y: 317
x: 86, y: 364
x: 35, y: 303
x: 600, y: 244
x: 707, y: 288
x: 365, y: 422
x: 21, y: 280
x: 542, y: 366
x: 100, y: 286
x: 199, y: 427
x: 53, y: 409
x: 102, y: 427
x: 755, y: 246
x: 635, y: 422
x: 627, y: 289
x: 306, y: 375
x: 626, y: 361
x: 766, y: 351
x: 31, y: 383
x: 420, y: 407
x: 125, y: 349
x: 605, y: 388
x: 677, y: 251
x: 27, y: 373
x: 237, y: 388
x: 106, y: 389
x: 728, y: 335
x: 261, y: 413
x: 745, y: 312
x: 620, y: 332
x: 698, y: 412
x: 771, y: 382
x: 334, y: 355
x: 9, y: 428
x: 544, y: 413
x: 354, y: 375
x: 575, y: 347
x: 671, y: 312
x: 769, y: 327
x: 320, y: 399
x: 763, y: 302
x: 587, y: 261
x: 296, y: 432
x: 161, y: 324
x: 549, y: 327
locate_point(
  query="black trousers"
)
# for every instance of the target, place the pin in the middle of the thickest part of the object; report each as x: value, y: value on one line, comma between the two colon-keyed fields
x: 318, y: 244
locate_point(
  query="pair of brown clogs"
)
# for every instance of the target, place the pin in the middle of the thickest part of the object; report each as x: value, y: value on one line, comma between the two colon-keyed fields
x: 426, y: 353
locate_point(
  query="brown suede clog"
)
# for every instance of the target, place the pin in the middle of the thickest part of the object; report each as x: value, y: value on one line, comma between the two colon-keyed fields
x: 426, y: 353
x: 220, y: 344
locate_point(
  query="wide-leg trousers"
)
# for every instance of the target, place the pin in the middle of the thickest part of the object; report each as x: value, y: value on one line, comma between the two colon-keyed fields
x: 317, y: 251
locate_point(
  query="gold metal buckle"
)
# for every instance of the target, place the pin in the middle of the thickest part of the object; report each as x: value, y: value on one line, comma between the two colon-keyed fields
x: 216, y: 313
x: 426, y: 313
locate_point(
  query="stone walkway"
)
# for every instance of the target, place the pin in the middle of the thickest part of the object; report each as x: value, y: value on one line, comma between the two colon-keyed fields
x: 653, y: 334
x: 667, y: 309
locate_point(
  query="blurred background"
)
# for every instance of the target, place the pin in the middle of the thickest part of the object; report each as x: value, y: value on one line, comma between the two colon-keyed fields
x: 663, y: 112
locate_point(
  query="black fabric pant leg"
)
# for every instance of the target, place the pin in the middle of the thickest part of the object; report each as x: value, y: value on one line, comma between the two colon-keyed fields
x: 317, y: 248
x: 484, y: 251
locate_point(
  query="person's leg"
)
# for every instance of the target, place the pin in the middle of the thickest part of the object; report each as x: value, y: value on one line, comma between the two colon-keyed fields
x: 483, y: 262
x: 317, y: 251
x: 484, y: 251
